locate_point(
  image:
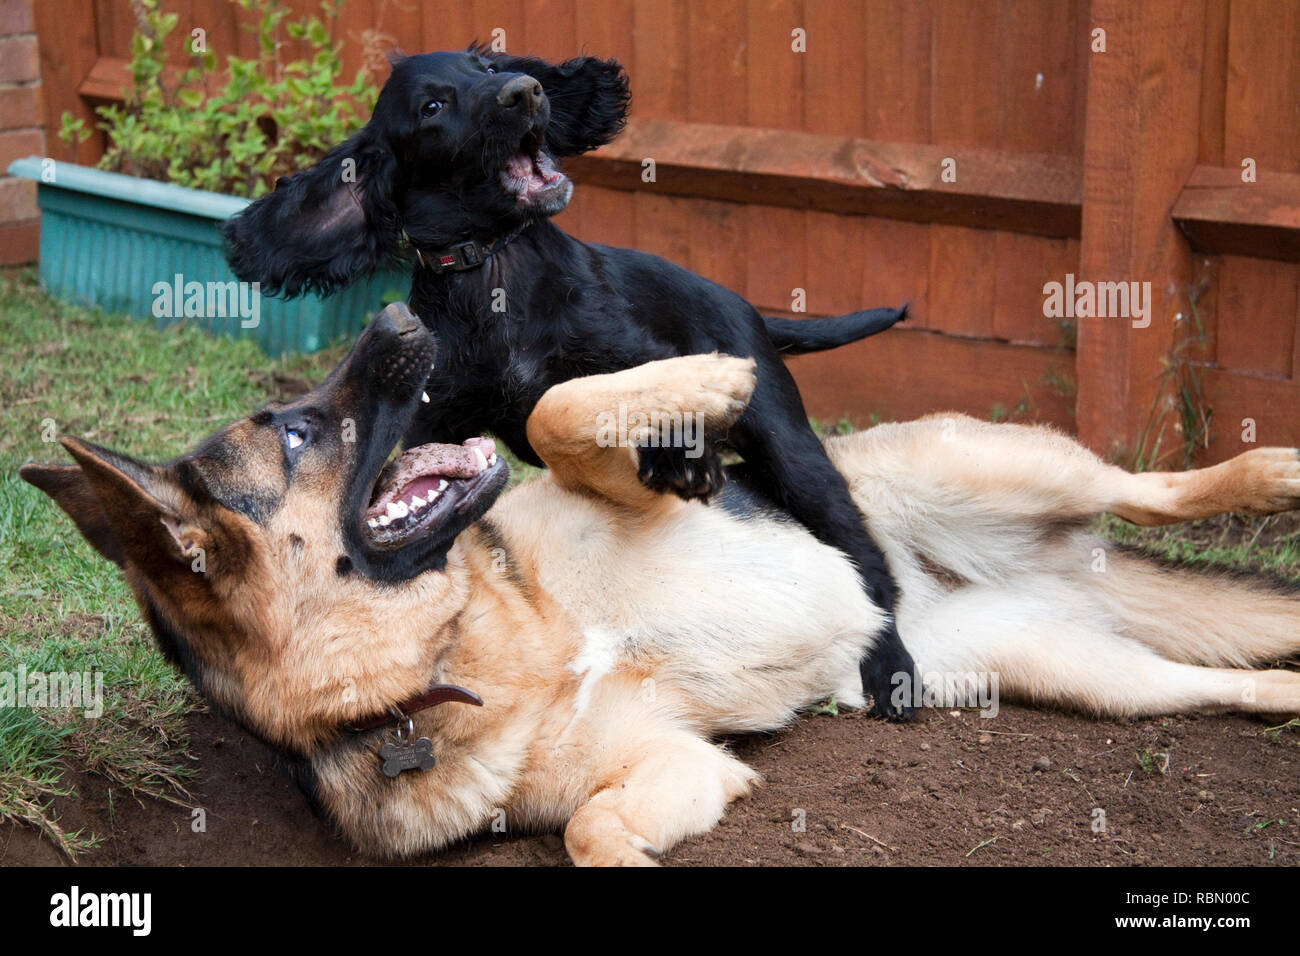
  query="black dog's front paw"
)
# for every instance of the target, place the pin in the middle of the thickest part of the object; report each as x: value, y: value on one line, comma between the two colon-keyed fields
x: 668, y: 469
x: 892, y: 694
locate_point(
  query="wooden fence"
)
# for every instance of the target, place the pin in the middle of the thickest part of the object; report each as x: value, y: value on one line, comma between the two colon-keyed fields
x: 956, y: 155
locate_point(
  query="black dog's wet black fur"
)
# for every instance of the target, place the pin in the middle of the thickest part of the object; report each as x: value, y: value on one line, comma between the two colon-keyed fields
x: 547, y: 308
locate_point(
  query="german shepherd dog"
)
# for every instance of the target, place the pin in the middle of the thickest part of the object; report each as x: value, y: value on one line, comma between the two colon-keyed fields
x: 611, y: 633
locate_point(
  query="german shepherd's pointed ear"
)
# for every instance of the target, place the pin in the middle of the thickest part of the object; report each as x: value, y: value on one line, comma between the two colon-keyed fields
x: 589, y: 99
x: 68, y: 486
x: 126, y: 509
x: 322, y: 228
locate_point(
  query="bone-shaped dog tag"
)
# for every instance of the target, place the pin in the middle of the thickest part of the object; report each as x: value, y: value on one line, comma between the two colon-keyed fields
x: 407, y: 756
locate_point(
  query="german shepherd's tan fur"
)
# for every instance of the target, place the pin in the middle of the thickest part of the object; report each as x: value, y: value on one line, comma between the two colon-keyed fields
x: 614, y: 634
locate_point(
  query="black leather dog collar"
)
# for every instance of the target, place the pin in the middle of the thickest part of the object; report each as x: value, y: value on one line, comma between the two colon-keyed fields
x: 464, y: 256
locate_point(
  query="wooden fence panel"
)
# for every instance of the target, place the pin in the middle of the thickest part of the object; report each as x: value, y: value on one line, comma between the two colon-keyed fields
x: 1262, y: 100
x: 1038, y: 59
x: 904, y: 375
x: 834, y: 71
x: 1257, y: 315
x: 898, y: 51
x: 660, y: 32
x: 1024, y: 265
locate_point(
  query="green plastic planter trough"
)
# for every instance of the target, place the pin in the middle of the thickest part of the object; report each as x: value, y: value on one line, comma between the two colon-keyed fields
x: 120, y: 243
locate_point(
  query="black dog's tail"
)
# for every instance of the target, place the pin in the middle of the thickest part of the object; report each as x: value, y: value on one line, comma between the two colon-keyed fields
x: 801, y: 336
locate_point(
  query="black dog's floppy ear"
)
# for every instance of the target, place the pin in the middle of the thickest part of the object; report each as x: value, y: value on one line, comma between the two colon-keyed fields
x: 589, y: 99
x: 324, y: 227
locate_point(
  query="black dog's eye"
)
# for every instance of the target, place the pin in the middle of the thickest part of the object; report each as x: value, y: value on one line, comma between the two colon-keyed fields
x: 295, y: 436
x: 432, y: 108
x: 491, y: 70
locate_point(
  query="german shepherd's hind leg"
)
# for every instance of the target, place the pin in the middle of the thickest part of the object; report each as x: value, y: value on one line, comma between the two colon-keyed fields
x: 1005, y: 510
x: 679, y: 787
x: 976, y: 497
x: 1258, y: 482
x: 597, y: 432
x: 1209, y: 616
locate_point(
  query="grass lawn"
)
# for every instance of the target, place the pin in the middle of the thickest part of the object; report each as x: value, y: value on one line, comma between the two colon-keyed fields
x: 153, y: 394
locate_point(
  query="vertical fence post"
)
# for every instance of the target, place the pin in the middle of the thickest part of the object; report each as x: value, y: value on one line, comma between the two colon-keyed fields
x: 1140, y: 145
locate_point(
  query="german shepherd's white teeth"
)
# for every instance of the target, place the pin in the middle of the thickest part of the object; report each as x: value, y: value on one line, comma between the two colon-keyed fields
x: 407, y: 485
x: 373, y: 522
x: 385, y: 521
x: 417, y: 502
x: 424, y: 397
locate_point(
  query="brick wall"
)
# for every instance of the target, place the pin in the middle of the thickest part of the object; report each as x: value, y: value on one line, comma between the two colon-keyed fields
x: 21, y: 133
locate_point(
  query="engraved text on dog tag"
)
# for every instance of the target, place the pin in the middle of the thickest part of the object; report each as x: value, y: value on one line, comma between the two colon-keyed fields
x: 407, y: 756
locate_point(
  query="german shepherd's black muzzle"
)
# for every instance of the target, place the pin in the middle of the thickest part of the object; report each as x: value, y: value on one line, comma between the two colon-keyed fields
x: 400, y: 518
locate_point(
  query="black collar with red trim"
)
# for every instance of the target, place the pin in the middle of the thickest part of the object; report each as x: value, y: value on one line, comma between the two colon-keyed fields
x: 464, y: 256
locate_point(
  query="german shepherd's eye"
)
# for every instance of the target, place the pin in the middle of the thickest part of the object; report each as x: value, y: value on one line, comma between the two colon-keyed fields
x: 295, y: 436
x: 432, y: 108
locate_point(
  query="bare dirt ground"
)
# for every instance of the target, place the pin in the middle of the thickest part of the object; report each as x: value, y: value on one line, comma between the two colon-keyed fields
x: 950, y: 789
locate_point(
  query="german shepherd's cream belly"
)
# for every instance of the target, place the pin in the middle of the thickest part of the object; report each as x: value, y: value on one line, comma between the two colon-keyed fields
x: 638, y: 638
x: 744, y: 619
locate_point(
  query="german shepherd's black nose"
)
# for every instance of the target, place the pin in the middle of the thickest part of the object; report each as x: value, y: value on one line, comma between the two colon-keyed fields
x: 522, y: 93
x: 397, y: 319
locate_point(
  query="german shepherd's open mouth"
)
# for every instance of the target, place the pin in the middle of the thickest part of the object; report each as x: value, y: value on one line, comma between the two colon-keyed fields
x: 418, y: 491
x: 401, y: 515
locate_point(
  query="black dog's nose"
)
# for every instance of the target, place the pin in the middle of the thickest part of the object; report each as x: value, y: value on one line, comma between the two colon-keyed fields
x: 523, y: 92
x: 397, y: 319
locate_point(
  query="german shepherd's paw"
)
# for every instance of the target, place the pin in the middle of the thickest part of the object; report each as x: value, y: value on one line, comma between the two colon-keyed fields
x: 713, y: 389
x: 621, y: 849
x: 1267, y: 480
x: 725, y: 382
x: 638, y: 852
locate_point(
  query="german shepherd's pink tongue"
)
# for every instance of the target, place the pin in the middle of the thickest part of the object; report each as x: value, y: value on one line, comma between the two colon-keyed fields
x: 419, y: 475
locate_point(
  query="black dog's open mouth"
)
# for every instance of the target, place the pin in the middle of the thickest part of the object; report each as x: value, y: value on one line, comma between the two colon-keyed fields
x: 419, y: 491
x: 530, y: 174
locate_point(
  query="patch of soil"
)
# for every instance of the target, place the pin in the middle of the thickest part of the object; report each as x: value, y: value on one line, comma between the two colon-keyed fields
x: 951, y: 788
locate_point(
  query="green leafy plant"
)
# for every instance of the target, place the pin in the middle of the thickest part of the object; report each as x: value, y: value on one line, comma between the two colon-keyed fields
x: 239, y: 131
